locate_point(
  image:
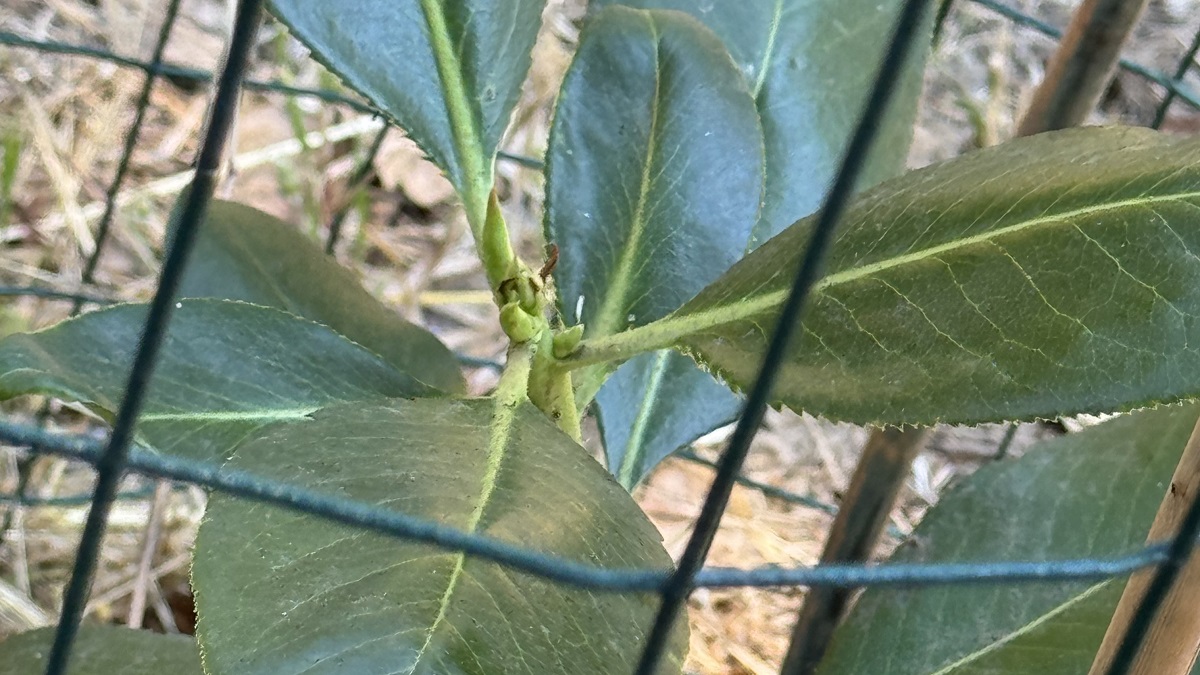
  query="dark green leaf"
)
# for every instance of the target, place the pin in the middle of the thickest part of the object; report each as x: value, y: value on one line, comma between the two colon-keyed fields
x: 653, y: 405
x: 810, y: 65
x: 1089, y: 494
x: 1048, y: 276
x: 245, y: 254
x: 654, y: 181
x: 103, y: 650
x: 225, y: 370
x: 346, y: 601
x: 654, y: 170
x: 790, y: 51
x: 448, y: 72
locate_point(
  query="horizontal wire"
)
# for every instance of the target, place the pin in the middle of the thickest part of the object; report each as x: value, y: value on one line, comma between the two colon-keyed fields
x: 51, y: 294
x: 1175, y: 86
x: 177, y: 71
x: 769, y: 490
x: 564, y: 570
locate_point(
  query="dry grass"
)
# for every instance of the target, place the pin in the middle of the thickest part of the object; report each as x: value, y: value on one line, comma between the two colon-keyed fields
x: 65, y: 117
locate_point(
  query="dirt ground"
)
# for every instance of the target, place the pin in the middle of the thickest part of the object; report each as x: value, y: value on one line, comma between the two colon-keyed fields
x: 62, y: 122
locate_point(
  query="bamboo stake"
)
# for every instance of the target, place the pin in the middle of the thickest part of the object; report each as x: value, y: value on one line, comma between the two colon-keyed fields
x: 1173, y: 641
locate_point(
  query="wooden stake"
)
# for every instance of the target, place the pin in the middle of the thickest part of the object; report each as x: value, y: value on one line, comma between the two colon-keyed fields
x: 1081, y: 69
x: 885, y: 464
x: 1173, y: 641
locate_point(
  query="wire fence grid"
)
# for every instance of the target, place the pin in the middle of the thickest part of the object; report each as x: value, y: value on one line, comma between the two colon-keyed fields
x: 115, y: 455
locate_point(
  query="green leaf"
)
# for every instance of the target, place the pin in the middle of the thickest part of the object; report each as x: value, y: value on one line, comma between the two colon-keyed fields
x: 244, y: 254
x: 1089, y: 494
x: 1049, y: 276
x: 655, y: 404
x: 654, y: 179
x: 347, y: 601
x: 225, y: 370
x: 789, y: 51
x: 448, y: 72
x: 654, y: 169
x: 810, y: 65
x: 103, y: 650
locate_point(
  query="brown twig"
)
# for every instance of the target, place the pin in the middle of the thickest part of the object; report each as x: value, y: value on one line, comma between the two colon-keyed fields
x: 137, y: 602
x: 1173, y: 641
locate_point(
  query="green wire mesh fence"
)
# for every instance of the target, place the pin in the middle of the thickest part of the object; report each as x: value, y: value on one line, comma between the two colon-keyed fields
x: 116, y: 454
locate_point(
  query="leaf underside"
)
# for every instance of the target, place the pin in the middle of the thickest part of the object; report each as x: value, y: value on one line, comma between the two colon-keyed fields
x: 103, y: 650
x: 342, y: 600
x: 1049, y: 276
x: 244, y: 254
x: 225, y: 369
x: 654, y: 181
x: 788, y: 52
x: 1088, y: 494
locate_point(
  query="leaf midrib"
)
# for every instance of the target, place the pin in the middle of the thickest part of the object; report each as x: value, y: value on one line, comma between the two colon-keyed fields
x: 608, y: 319
x: 632, y: 462
x: 1022, y: 630
x: 269, y: 414
x: 768, y: 52
x: 670, y: 330
x: 463, y: 124
x: 504, y: 414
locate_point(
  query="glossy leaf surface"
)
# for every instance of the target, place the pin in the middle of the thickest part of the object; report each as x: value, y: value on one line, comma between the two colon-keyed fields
x: 341, y: 600
x: 789, y: 52
x: 810, y: 65
x: 103, y: 650
x: 244, y: 254
x: 1048, y: 276
x: 1088, y: 494
x: 225, y: 370
x: 654, y: 181
x: 447, y: 71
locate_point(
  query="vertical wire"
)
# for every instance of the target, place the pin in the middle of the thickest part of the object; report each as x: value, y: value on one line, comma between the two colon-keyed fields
x: 360, y: 174
x: 1181, y: 70
x: 102, y: 231
x: 679, y: 586
x: 111, y: 463
x: 131, y: 139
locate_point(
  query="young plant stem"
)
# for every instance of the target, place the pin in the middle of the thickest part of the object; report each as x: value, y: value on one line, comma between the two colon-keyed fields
x: 588, y: 382
x: 885, y: 464
x: 612, y: 349
x: 514, y: 381
x: 1172, y: 641
x: 524, y: 299
x: 550, y: 388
